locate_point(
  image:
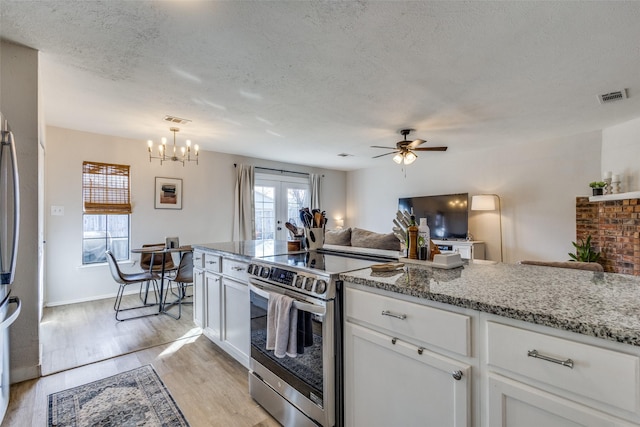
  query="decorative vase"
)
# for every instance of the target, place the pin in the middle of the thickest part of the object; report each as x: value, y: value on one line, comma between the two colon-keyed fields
x: 597, y: 191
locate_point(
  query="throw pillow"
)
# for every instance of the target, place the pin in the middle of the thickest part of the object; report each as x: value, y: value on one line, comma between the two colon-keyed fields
x: 373, y: 240
x: 338, y: 237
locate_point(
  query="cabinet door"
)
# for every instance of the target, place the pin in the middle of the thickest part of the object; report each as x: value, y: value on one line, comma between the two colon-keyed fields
x: 514, y: 404
x: 198, y: 297
x: 463, y: 250
x: 236, y: 323
x: 214, y: 317
x: 390, y: 384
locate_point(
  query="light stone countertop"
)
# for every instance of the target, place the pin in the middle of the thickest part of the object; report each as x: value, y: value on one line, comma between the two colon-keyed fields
x: 603, y: 305
x: 247, y: 249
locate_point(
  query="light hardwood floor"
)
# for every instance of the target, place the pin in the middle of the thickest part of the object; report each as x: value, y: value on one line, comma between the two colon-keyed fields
x: 208, y: 385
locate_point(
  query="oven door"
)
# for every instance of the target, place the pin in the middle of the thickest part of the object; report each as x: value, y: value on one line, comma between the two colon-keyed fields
x: 306, y: 381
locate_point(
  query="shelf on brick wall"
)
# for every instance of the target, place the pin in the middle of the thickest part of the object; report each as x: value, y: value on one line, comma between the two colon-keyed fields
x: 619, y: 196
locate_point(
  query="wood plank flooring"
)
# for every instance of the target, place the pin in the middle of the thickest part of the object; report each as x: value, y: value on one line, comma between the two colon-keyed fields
x: 209, y: 386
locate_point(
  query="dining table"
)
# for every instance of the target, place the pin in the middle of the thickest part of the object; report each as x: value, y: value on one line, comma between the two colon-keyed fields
x: 162, y: 250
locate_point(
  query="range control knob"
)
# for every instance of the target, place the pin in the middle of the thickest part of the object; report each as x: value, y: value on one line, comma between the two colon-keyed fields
x: 309, y: 285
x: 299, y: 281
x: 321, y: 286
x: 265, y: 272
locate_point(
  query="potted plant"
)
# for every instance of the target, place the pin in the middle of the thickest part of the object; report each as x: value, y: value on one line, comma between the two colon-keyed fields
x: 597, y: 187
x: 584, y: 252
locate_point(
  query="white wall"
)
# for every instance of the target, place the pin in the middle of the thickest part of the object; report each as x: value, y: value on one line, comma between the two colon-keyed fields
x: 537, y: 182
x: 621, y: 153
x: 19, y: 103
x: 206, y: 215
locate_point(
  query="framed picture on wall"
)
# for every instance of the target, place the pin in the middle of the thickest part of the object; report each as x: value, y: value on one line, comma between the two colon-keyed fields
x: 168, y: 193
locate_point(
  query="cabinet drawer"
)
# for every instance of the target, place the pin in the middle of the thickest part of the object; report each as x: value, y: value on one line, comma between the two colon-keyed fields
x: 198, y: 259
x: 236, y: 269
x: 600, y: 374
x: 428, y: 325
x: 212, y: 263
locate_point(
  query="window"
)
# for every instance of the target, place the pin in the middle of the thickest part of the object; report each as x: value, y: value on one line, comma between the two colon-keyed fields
x: 107, y: 206
x: 278, y: 200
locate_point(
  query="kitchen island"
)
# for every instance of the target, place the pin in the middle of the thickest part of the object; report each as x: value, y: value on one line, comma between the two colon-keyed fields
x: 498, y: 344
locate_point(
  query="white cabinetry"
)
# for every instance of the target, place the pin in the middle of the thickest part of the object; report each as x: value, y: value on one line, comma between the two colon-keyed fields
x: 394, y: 371
x: 548, y: 377
x: 466, y: 249
x: 221, y: 299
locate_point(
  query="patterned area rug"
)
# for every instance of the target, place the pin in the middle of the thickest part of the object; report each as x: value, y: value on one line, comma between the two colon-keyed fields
x: 134, y: 398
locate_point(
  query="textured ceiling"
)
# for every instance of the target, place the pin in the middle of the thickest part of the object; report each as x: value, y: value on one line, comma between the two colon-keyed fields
x: 301, y: 82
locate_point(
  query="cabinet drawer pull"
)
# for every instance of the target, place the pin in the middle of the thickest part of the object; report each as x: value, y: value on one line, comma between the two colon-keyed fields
x: 397, y: 316
x: 236, y: 268
x: 534, y: 353
x: 394, y: 340
x: 420, y: 350
x: 212, y: 262
x: 457, y: 375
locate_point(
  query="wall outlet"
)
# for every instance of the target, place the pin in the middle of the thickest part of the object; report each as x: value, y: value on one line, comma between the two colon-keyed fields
x: 57, y: 210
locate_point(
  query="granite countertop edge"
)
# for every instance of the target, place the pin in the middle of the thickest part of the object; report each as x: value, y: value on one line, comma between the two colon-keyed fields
x: 601, y: 330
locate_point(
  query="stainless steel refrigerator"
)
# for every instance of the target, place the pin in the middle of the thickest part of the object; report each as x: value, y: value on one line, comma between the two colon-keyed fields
x: 9, y: 226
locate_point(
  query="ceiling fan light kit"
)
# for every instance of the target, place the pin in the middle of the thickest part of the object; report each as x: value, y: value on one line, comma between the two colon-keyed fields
x: 404, y: 152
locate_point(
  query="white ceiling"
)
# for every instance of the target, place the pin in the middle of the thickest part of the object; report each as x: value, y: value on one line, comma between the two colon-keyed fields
x: 302, y: 81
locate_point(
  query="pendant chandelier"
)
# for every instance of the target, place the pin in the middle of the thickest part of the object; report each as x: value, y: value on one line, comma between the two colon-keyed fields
x: 181, y: 155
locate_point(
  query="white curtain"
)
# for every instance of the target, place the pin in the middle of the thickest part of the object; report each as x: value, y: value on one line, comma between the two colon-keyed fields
x: 244, y: 206
x: 314, y: 183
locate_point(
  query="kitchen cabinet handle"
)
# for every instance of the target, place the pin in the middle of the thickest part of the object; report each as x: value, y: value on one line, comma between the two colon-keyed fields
x: 212, y: 262
x: 394, y: 340
x: 457, y: 375
x: 397, y: 316
x: 236, y: 268
x: 420, y: 350
x: 534, y: 353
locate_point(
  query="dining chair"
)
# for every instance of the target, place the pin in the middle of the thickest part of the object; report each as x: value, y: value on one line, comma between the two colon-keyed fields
x: 153, y: 264
x: 183, y: 279
x: 124, y: 280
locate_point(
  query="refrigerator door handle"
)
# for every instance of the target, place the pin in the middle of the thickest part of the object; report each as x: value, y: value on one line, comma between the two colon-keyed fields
x: 8, y: 140
x: 10, y: 319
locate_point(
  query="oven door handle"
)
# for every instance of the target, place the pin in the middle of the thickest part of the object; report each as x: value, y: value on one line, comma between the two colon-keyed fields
x: 300, y: 305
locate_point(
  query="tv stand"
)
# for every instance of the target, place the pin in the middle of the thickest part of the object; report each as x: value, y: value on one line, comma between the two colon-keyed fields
x: 468, y: 249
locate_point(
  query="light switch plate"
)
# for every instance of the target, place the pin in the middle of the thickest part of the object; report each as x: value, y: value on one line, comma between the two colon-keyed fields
x: 57, y: 210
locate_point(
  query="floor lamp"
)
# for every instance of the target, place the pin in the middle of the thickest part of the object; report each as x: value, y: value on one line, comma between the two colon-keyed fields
x: 487, y: 202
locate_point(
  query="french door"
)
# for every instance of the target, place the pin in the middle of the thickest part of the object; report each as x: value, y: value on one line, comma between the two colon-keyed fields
x: 278, y: 200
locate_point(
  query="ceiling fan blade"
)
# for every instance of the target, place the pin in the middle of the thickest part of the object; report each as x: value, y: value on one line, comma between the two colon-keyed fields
x: 415, y: 143
x: 431, y: 149
x: 385, y: 154
x: 386, y: 148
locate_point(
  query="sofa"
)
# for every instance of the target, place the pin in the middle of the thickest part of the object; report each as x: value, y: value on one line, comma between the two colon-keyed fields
x: 360, y: 238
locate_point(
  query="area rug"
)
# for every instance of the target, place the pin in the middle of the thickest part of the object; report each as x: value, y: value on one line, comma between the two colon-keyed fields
x: 133, y: 398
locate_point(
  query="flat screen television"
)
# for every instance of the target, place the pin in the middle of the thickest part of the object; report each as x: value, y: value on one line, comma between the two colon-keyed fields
x: 447, y: 215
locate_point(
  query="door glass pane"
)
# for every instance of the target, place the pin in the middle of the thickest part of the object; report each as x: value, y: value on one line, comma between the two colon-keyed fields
x: 265, y: 212
x: 297, y: 198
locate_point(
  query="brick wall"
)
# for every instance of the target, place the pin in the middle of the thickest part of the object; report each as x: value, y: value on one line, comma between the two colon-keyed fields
x: 614, y: 227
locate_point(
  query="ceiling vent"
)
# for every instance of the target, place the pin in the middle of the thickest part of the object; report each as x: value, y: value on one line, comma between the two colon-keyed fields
x: 618, y: 95
x: 176, y: 120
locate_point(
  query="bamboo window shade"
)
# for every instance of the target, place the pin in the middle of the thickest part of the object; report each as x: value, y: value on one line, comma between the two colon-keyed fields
x: 105, y: 188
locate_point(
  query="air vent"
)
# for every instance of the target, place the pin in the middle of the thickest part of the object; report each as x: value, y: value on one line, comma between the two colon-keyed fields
x: 178, y: 120
x: 618, y: 95
x: 345, y: 155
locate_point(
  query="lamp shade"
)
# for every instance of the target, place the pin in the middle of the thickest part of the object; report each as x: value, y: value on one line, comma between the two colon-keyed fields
x: 483, y: 202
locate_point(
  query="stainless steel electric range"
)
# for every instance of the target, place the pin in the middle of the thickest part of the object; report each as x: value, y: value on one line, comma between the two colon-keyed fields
x: 305, y: 390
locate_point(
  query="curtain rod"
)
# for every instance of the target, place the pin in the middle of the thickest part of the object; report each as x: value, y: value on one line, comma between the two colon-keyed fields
x: 276, y: 170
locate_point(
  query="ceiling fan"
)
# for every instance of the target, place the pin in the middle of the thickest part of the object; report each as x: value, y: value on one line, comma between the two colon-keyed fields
x: 405, y: 150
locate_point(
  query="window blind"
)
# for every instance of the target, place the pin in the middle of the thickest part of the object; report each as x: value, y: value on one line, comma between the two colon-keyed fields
x: 105, y: 188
